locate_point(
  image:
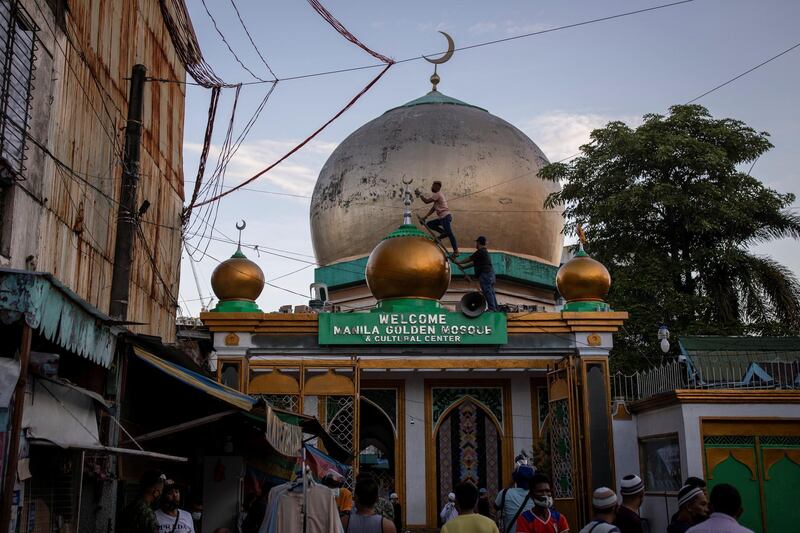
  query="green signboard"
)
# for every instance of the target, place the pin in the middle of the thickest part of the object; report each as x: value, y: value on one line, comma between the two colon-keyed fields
x: 411, y: 322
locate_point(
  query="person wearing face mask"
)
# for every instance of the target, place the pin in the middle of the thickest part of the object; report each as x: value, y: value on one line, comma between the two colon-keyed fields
x: 542, y: 518
x: 139, y: 516
x: 197, y: 514
x: 170, y: 518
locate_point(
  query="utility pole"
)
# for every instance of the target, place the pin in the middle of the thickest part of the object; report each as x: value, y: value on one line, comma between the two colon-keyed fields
x: 127, y: 220
x: 16, y: 427
x: 126, y: 215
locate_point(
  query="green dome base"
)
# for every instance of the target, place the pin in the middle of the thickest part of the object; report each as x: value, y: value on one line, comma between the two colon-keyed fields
x: 236, y: 306
x: 412, y: 305
x: 586, y: 307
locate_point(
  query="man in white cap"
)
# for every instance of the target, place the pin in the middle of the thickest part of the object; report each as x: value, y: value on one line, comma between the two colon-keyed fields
x: 604, y: 506
x: 631, y: 488
x: 692, y: 508
x: 449, y: 511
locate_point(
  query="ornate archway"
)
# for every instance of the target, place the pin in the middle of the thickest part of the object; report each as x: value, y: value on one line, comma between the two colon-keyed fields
x: 468, y: 448
x: 377, y: 445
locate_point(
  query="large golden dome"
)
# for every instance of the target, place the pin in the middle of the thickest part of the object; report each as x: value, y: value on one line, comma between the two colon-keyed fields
x: 488, y: 168
x: 407, y: 264
x: 582, y: 279
x: 237, y: 278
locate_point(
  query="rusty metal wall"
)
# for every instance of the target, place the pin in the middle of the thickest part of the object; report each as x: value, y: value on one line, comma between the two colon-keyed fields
x: 84, y: 95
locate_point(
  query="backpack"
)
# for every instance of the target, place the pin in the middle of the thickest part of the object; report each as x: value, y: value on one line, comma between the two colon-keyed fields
x: 603, y: 527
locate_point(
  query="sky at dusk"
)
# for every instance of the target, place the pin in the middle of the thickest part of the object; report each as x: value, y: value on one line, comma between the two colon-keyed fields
x: 556, y: 87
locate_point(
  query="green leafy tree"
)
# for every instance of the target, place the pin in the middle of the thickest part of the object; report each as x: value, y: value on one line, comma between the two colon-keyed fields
x: 673, y: 212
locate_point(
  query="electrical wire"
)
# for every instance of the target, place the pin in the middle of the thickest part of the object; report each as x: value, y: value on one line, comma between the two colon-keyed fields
x: 745, y: 73
x: 230, y: 49
x: 467, y: 47
x: 303, y: 143
x: 250, y: 37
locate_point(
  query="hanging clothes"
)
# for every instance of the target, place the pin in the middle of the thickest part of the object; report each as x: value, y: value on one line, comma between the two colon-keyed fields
x: 285, y: 510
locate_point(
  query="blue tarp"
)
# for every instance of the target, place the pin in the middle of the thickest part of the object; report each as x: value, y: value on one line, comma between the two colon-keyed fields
x: 57, y: 313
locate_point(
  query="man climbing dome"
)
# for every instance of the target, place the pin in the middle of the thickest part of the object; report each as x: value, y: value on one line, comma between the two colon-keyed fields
x: 444, y: 219
x: 482, y: 262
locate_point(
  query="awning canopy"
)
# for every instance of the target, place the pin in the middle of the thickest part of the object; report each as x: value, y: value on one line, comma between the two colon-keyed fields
x: 198, y: 381
x: 57, y: 313
x: 283, y: 430
x: 60, y: 413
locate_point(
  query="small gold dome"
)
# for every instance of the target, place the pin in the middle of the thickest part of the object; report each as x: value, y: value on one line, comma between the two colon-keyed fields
x: 407, y: 264
x: 582, y: 279
x: 237, y: 278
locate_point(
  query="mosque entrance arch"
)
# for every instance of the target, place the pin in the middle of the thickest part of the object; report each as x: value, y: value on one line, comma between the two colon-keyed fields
x: 377, y: 446
x: 469, y: 447
x: 469, y: 437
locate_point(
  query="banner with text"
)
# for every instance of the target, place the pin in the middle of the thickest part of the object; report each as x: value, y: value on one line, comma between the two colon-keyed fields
x: 410, y: 327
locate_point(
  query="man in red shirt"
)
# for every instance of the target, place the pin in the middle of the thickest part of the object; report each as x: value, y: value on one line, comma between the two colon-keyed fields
x: 542, y: 518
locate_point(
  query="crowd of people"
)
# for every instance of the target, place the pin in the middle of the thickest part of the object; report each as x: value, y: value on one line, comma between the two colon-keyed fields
x: 528, y: 507
x: 525, y: 507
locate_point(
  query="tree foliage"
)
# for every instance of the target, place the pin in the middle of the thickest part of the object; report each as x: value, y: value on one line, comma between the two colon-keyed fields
x: 672, y: 211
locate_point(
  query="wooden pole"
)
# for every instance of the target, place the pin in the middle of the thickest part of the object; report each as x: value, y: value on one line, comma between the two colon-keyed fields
x: 15, y: 430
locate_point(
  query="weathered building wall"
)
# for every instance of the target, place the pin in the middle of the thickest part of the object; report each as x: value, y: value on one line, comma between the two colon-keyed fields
x: 64, y: 221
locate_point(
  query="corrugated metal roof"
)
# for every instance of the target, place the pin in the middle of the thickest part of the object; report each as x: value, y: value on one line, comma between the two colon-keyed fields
x: 57, y: 313
x: 719, y: 343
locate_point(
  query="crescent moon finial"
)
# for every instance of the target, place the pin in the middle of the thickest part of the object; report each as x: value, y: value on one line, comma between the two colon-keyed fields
x: 444, y: 58
x: 240, y: 226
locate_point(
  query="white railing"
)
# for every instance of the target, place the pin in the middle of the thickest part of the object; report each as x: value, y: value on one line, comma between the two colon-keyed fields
x: 755, y: 374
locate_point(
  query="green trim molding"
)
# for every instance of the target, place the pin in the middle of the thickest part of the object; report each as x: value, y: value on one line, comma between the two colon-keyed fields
x: 436, y: 98
x: 236, y: 306
x: 506, y: 266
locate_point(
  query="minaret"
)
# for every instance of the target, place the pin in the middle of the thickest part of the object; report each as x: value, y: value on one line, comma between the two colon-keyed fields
x: 407, y: 264
x: 237, y: 282
x: 583, y: 282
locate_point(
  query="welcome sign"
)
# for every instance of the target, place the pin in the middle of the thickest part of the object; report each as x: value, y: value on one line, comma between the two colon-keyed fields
x: 437, y: 326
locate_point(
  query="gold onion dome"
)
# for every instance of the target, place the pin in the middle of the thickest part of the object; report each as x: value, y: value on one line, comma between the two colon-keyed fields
x: 582, y: 279
x: 237, y: 278
x: 407, y: 264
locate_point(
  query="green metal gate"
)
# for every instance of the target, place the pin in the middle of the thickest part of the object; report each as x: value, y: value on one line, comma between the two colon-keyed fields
x: 764, y: 468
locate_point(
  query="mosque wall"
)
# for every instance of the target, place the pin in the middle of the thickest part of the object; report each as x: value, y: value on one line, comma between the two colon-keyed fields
x: 521, y: 413
x: 685, y: 421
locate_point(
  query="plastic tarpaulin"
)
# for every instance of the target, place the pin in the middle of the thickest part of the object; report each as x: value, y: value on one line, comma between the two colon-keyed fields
x: 60, y: 414
x: 57, y: 313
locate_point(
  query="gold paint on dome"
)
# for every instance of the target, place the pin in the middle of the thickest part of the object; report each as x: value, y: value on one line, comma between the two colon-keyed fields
x: 582, y: 279
x: 488, y: 168
x: 237, y: 278
x: 407, y: 267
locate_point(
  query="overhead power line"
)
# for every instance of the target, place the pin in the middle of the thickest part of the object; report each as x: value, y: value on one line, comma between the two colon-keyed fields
x: 745, y: 73
x: 250, y: 37
x: 466, y: 47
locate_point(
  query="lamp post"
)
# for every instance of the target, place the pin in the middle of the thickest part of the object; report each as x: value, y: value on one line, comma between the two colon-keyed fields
x: 663, y: 336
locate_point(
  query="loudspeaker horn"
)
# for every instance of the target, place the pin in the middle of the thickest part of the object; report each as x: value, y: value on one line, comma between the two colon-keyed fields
x: 472, y: 304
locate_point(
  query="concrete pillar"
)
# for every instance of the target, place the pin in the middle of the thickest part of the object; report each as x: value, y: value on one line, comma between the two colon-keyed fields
x: 416, y: 491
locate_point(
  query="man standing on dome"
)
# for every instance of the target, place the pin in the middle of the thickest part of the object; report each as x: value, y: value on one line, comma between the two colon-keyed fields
x: 444, y: 218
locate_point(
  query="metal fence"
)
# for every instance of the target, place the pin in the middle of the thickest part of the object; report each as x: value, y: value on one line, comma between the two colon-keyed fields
x: 757, y: 374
